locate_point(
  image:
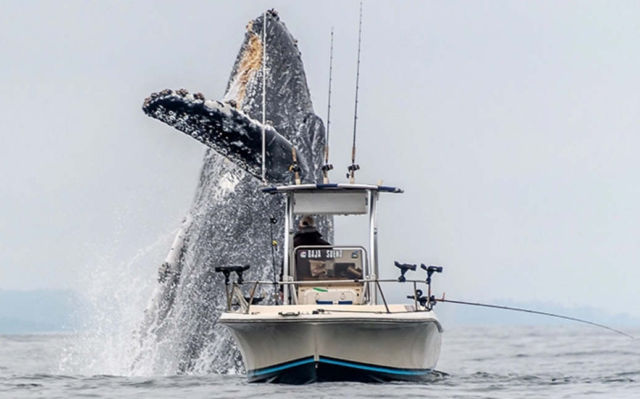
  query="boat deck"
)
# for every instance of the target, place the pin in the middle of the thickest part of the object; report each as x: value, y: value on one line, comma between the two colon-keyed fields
x: 328, y: 313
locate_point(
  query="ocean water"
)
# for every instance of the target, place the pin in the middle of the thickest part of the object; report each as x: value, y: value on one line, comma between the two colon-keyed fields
x: 479, y: 362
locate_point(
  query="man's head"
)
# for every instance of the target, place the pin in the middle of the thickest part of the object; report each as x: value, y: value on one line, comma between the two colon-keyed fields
x: 306, y: 221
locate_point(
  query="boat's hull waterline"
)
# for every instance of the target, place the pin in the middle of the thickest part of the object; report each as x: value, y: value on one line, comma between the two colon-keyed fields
x: 299, y: 344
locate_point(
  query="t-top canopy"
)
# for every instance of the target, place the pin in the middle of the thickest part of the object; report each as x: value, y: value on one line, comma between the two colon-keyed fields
x: 330, y: 199
x: 332, y: 187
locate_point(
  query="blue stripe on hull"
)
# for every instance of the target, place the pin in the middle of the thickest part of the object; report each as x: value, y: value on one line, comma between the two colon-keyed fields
x: 306, y: 370
x: 270, y: 370
x: 378, y: 369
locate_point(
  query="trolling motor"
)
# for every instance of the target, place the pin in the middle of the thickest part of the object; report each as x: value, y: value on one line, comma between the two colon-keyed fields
x: 404, y: 267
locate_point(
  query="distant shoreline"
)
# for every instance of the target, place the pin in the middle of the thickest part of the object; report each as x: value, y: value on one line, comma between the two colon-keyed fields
x: 65, y: 311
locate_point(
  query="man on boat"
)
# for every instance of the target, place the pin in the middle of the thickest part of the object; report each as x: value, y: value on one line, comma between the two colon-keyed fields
x: 307, y: 233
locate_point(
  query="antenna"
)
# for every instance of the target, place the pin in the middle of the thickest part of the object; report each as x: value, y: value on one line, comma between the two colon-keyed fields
x: 264, y: 95
x: 327, y: 166
x: 353, y: 167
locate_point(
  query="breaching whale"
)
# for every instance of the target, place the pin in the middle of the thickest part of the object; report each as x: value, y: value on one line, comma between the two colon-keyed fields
x: 227, y: 223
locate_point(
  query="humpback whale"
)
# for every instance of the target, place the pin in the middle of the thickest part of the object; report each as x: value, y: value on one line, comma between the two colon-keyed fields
x: 227, y: 223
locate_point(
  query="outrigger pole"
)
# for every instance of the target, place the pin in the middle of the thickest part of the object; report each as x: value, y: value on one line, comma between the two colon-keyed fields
x: 264, y: 96
x: 353, y: 167
x: 327, y: 166
x: 534, y: 312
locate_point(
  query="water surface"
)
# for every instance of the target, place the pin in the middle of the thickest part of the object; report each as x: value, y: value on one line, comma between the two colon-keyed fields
x: 479, y: 362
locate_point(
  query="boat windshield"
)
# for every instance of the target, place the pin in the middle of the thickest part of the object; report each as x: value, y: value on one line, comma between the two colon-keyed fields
x: 322, y: 262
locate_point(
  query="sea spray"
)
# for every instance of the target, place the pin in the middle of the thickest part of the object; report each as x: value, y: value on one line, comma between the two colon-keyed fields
x: 114, y: 295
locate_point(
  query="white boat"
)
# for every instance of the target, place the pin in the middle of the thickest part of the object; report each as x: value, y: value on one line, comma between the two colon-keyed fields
x: 333, y: 321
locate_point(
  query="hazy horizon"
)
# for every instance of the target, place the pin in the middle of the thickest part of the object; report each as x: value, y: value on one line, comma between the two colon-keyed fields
x: 60, y: 311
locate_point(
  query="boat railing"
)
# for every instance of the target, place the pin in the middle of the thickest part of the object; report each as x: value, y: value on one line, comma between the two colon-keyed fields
x: 422, y: 301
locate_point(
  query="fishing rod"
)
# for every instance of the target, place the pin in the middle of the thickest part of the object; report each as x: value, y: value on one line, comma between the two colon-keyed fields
x: 327, y: 166
x: 429, y: 301
x: 294, y: 167
x: 353, y: 167
x: 264, y: 96
x: 274, y: 247
x: 485, y: 305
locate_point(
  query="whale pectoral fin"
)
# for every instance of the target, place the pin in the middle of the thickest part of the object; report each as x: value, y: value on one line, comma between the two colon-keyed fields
x: 225, y: 129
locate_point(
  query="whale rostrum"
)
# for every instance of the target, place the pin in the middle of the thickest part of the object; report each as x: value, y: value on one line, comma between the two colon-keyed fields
x: 229, y: 220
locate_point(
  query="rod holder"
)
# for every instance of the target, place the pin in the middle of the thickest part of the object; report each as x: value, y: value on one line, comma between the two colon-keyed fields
x: 227, y: 270
x: 404, y: 267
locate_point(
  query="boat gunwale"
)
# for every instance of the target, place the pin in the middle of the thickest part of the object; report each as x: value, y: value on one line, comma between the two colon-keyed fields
x: 230, y: 318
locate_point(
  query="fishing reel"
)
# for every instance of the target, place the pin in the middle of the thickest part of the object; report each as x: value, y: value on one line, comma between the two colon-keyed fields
x: 325, y: 172
x: 352, y: 170
x: 294, y: 168
x: 426, y: 301
x: 418, y: 297
x: 326, y: 167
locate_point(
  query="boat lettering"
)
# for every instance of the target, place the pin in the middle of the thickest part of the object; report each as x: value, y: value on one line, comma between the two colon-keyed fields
x: 314, y: 254
x: 334, y: 253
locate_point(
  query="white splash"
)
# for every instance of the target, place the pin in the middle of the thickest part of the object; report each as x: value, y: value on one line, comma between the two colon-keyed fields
x: 116, y: 294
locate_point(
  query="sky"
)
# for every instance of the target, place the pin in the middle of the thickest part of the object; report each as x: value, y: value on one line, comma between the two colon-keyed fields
x: 512, y: 126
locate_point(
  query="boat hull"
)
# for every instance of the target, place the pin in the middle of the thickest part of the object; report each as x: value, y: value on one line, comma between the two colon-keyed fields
x: 305, y: 371
x: 298, y: 346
